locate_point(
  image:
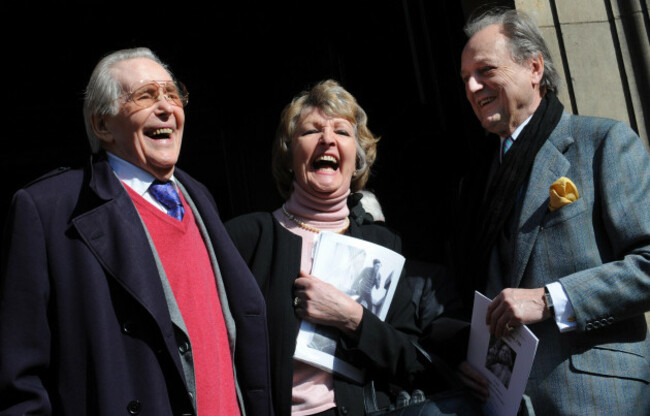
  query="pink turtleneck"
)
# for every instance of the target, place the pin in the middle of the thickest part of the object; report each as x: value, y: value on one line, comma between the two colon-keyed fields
x: 313, y: 389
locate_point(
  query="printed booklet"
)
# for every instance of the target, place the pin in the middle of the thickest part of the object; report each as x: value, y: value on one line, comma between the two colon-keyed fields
x: 505, y: 361
x: 365, y: 271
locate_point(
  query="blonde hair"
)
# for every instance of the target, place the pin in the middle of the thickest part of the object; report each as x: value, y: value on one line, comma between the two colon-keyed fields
x: 334, y: 101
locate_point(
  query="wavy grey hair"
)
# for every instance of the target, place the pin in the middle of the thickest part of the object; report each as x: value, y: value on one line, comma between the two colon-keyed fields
x: 102, y: 91
x: 525, y: 40
x: 333, y: 100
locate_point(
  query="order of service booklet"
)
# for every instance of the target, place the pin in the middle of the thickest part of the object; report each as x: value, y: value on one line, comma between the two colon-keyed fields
x: 504, y: 361
x: 366, y: 272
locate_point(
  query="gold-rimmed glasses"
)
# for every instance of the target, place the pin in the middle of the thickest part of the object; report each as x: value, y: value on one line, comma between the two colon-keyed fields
x: 146, y: 93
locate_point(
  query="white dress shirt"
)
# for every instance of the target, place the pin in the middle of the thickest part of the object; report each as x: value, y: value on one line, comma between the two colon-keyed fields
x: 137, y: 179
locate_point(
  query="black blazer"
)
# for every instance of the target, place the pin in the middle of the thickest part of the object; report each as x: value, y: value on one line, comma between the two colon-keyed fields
x: 84, y: 324
x: 384, y: 349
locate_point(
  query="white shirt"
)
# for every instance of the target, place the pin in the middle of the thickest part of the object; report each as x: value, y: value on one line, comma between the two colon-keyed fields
x: 137, y: 179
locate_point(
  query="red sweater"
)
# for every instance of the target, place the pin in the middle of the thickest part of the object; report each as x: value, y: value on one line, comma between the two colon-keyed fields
x: 187, y: 265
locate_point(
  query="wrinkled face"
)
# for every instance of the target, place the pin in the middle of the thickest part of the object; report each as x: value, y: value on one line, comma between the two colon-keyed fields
x: 149, y: 138
x: 503, y: 93
x: 324, y: 153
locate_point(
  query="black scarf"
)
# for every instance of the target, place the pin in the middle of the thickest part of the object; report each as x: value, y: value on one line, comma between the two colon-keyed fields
x: 509, y: 178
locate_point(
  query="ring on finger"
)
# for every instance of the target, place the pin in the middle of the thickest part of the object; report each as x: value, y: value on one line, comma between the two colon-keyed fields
x: 509, y: 328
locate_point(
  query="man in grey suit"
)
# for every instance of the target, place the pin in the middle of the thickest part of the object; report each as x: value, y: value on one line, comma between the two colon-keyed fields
x: 562, y: 241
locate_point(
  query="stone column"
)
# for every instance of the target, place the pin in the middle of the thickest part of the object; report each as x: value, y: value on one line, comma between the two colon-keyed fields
x: 602, y: 50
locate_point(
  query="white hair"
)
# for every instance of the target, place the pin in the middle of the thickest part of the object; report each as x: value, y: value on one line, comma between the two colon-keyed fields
x: 103, y: 89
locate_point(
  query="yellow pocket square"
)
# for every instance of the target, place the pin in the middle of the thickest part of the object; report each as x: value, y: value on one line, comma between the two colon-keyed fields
x: 562, y: 192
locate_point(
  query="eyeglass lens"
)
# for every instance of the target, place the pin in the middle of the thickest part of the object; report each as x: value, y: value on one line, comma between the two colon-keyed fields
x: 148, y: 94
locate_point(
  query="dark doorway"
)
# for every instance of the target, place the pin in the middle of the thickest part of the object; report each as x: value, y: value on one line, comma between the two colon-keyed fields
x: 242, y: 62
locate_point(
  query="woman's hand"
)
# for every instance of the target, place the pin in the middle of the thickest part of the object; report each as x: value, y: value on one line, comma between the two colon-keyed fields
x: 321, y: 303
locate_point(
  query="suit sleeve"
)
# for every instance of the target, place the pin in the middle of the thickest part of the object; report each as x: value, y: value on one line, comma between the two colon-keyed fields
x: 619, y: 287
x: 25, y: 334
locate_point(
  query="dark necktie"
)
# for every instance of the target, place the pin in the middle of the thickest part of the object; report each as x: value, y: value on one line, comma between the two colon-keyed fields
x: 166, y: 194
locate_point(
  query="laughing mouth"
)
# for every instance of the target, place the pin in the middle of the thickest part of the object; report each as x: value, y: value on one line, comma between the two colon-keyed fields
x: 485, y: 101
x: 326, y: 162
x: 162, y: 133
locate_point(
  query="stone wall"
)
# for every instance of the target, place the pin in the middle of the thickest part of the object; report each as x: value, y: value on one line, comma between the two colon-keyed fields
x: 602, y: 50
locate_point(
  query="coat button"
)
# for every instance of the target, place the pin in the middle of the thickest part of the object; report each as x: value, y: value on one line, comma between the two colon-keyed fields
x: 134, y: 407
x: 343, y: 410
x: 128, y: 328
x: 184, y: 347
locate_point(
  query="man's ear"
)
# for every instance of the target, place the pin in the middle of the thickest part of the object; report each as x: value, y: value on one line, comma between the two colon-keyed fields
x: 100, y: 129
x: 536, y: 64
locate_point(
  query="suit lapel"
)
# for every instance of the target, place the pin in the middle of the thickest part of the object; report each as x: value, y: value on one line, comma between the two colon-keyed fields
x: 550, y: 164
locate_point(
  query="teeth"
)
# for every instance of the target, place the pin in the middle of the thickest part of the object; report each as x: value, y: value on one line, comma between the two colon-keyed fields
x: 485, y: 101
x: 162, y: 131
x: 326, y: 158
x: 326, y: 162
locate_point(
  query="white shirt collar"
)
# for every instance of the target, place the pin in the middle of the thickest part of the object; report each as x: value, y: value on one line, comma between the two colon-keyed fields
x: 514, y: 134
x: 135, y: 178
x: 138, y: 179
x: 518, y: 130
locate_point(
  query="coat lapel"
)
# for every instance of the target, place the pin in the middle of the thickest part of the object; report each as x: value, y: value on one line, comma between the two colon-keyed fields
x: 113, y: 231
x: 550, y: 164
x: 239, y: 283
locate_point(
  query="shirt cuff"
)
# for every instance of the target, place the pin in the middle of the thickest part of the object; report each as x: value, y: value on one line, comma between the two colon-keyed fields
x: 565, y: 317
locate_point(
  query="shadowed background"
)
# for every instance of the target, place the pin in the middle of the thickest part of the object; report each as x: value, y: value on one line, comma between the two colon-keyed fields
x: 242, y: 63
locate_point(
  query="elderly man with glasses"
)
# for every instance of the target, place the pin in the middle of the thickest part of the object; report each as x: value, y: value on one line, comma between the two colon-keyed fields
x: 120, y: 291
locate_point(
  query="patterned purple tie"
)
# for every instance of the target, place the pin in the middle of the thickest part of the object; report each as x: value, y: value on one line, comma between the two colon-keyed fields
x: 166, y: 194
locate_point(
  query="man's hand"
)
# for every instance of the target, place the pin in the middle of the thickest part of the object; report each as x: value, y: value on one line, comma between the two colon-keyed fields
x: 516, y: 307
x: 321, y: 303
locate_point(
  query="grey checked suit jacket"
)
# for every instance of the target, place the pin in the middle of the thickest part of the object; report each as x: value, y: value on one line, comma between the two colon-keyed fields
x: 599, y: 249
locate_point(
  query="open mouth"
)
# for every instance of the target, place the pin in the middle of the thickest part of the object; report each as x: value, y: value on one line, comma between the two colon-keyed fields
x: 163, y: 133
x: 326, y: 162
x: 485, y: 101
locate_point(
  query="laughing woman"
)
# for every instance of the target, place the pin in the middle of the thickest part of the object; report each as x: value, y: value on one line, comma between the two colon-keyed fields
x: 323, y: 151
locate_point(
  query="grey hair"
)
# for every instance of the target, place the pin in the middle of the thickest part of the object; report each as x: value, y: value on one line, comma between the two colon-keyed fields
x: 102, y: 91
x: 524, y: 39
